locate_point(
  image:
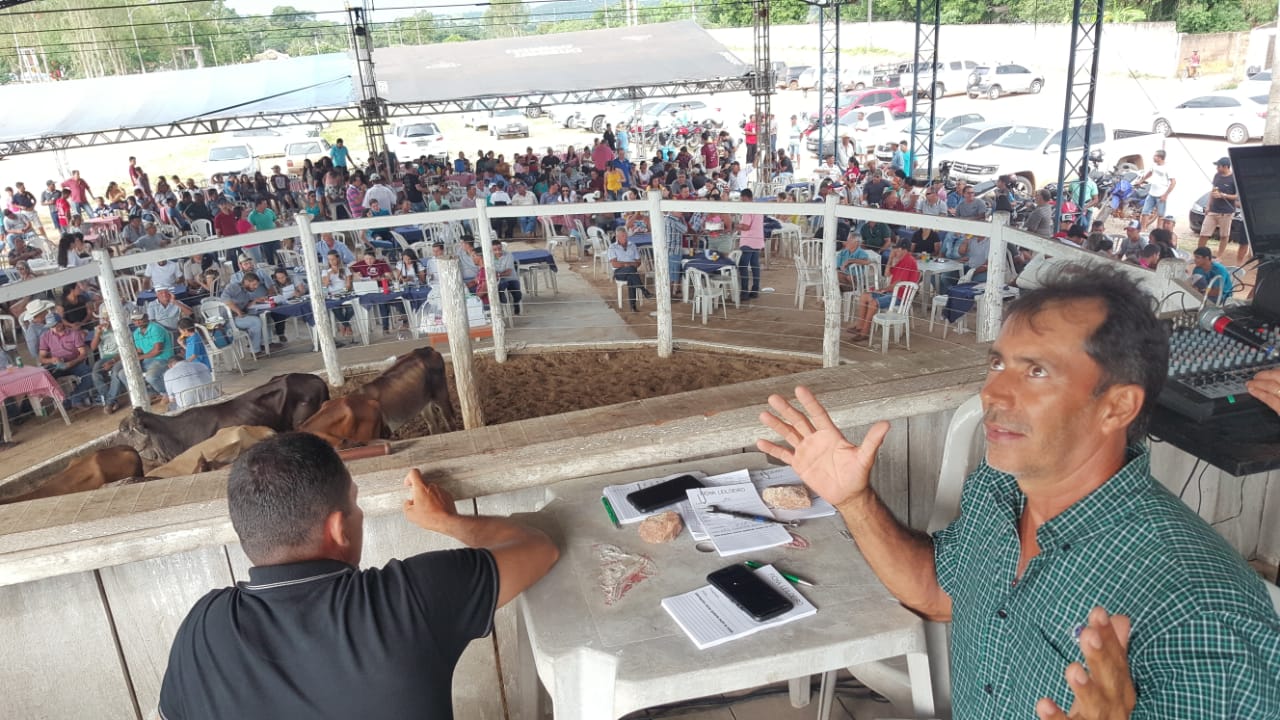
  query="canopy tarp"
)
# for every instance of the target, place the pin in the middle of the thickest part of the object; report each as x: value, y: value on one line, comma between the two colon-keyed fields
x: 74, y: 107
x: 636, y: 56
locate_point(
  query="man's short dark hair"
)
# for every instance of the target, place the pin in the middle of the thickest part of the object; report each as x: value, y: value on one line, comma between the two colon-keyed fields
x: 1130, y: 345
x: 282, y: 489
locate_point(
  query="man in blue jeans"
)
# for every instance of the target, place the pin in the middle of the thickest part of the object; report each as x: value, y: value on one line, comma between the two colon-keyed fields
x: 750, y: 243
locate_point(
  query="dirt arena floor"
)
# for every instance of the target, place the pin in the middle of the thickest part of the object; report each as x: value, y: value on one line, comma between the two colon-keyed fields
x: 549, y: 383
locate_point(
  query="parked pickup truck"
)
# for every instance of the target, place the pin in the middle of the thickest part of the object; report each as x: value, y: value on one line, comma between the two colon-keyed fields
x: 1031, y: 153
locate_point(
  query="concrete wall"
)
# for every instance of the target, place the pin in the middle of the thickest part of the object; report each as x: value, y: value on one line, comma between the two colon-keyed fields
x: 1219, y: 52
x: 1145, y: 48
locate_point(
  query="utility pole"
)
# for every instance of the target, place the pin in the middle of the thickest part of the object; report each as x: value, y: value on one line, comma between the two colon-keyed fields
x: 1271, y: 133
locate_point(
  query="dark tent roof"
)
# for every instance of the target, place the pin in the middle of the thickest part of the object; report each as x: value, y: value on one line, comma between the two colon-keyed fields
x: 637, y: 56
x: 74, y: 107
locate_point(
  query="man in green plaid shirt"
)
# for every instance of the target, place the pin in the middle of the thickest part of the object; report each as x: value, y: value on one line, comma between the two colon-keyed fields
x: 1072, y: 578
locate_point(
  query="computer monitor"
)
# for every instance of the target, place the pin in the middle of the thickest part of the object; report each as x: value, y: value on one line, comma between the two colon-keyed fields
x: 1257, y: 171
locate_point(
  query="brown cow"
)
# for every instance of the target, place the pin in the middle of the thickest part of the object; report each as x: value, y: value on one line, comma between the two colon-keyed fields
x: 90, y: 472
x: 281, y: 404
x: 346, y: 421
x: 416, y: 381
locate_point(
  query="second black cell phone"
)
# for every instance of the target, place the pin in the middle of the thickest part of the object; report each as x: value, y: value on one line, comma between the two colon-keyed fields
x: 663, y: 494
x: 748, y: 591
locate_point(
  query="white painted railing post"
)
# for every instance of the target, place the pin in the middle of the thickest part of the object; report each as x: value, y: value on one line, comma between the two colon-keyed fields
x: 485, y: 231
x: 993, y: 299
x: 661, y: 273
x: 319, y: 311
x: 129, y: 361
x: 830, y: 286
x: 453, y: 299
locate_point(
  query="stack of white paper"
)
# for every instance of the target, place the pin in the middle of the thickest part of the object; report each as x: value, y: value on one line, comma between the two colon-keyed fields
x: 710, y: 618
x: 732, y: 535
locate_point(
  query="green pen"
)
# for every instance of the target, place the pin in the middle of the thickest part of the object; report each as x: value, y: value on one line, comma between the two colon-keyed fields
x: 613, y: 517
x: 793, y: 578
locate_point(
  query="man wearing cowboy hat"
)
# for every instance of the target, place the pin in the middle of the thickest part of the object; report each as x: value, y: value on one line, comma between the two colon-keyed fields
x: 36, y: 320
x: 63, y: 353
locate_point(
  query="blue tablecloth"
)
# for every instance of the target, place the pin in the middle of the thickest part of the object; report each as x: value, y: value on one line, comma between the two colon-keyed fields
x: 147, y: 296
x: 416, y: 296
x: 411, y: 235
x: 303, y: 309
x: 529, y: 257
x: 701, y: 262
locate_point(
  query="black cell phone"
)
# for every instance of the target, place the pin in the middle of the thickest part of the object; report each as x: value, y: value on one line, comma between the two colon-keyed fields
x: 755, y: 596
x: 663, y: 494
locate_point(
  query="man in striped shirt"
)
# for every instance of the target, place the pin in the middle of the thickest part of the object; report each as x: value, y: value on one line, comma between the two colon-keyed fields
x: 1061, y: 527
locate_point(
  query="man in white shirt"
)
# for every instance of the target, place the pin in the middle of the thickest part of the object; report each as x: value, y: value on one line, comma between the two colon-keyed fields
x: 498, y: 197
x: 1159, y: 184
x: 524, y: 198
x: 183, y: 375
x: 385, y: 196
x: 738, y: 177
x: 164, y: 273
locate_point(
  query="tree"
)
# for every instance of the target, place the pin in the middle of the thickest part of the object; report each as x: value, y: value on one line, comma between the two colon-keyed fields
x: 506, y: 18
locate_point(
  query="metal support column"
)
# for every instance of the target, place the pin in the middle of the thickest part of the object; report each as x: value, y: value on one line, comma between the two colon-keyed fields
x: 828, y: 74
x: 373, y: 109
x: 925, y: 77
x: 1077, y: 114
x: 762, y: 91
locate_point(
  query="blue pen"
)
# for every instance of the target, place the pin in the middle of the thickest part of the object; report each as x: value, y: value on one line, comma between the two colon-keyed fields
x: 751, y: 516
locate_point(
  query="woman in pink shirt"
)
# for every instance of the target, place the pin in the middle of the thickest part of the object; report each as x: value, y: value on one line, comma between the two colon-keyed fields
x: 750, y: 242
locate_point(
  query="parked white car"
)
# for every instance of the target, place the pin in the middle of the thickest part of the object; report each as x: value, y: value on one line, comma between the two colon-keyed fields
x: 271, y: 141
x: 1230, y: 115
x: 296, y: 153
x: 967, y: 137
x: 1002, y: 79
x: 508, y: 123
x: 412, y: 138
x: 949, y: 77
x: 887, y: 141
x: 672, y: 110
x: 237, y: 158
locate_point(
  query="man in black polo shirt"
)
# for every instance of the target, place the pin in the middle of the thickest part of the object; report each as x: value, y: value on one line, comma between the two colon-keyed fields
x: 310, y: 635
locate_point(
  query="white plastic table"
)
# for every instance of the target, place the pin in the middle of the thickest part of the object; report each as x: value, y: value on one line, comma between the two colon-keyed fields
x: 602, y: 662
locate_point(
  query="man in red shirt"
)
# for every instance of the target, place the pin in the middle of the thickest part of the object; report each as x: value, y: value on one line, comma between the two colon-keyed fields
x: 710, y: 153
x: 749, y: 133
x: 371, y: 268
x: 902, y: 268
x: 224, y: 223
x: 80, y: 193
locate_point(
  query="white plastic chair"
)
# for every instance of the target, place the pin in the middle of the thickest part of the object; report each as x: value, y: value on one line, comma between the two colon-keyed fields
x: 218, y: 356
x: 864, y: 278
x: 203, y: 228
x: 940, y: 303
x: 212, y: 308
x: 809, y: 269
x: 187, y: 239
x: 554, y: 239
x: 787, y: 238
x: 198, y: 395
x: 8, y: 333
x: 129, y: 287
x: 289, y: 258
x: 706, y: 293
x: 896, y: 317
x: 961, y: 453
x: 728, y: 279
x: 599, y: 249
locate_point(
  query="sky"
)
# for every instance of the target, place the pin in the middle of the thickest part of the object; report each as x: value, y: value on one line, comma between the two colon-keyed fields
x: 255, y: 7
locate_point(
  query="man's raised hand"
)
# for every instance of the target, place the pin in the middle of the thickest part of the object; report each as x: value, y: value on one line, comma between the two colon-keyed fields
x: 834, y: 468
x: 1104, y: 690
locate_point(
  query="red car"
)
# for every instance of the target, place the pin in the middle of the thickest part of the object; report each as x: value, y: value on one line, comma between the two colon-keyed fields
x: 890, y: 98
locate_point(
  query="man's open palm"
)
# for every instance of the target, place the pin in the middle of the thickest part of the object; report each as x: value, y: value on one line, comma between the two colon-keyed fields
x: 834, y: 468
